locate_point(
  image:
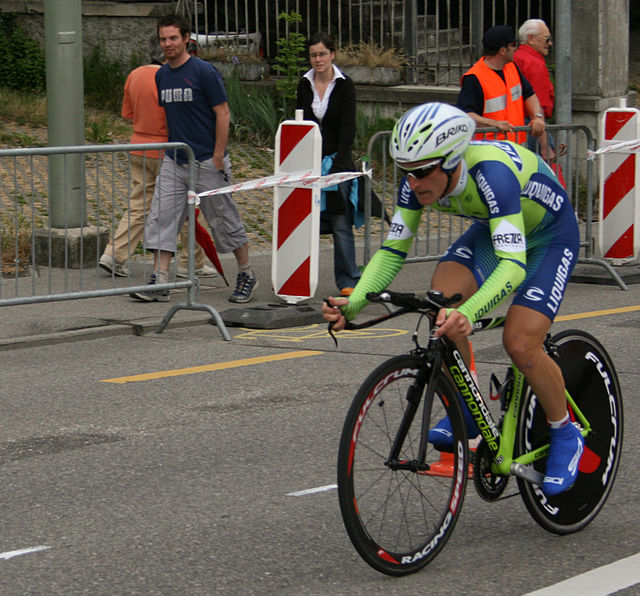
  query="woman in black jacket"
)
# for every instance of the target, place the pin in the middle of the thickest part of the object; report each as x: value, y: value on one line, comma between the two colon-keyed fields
x: 328, y: 97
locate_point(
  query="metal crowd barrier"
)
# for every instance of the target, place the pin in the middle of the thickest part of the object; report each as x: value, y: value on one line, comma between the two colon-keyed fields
x: 50, y: 252
x: 438, y: 230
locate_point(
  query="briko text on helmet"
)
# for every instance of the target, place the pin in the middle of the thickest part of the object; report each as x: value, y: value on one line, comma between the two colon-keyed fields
x: 443, y: 136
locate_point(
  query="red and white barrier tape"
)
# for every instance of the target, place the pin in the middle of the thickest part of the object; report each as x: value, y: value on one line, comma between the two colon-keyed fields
x: 292, y: 180
x: 632, y: 146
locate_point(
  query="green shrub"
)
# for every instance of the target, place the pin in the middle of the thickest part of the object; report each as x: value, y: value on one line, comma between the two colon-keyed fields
x: 104, y: 80
x: 23, y: 68
x: 370, y: 54
x: 289, y: 61
x: 23, y: 65
x: 255, y: 115
x: 366, y: 127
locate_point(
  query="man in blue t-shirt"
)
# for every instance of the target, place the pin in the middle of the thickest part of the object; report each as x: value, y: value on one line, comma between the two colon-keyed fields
x: 192, y: 94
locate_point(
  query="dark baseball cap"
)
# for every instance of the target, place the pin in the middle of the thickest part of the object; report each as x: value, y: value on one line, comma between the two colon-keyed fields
x: 498, y: 37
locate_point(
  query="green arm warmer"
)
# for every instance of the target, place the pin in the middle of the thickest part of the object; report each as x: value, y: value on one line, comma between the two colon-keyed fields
x: 507, y: 276
x: 379, y: 273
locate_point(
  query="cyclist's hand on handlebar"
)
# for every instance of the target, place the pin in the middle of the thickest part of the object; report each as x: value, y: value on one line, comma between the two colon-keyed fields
x: 453, y: 324
x: 332, y: 313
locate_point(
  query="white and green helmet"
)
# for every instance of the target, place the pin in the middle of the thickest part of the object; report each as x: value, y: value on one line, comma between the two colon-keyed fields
x: 432, y: 131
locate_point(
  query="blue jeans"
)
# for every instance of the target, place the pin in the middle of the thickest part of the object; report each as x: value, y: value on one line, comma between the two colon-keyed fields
x: 345, y: 270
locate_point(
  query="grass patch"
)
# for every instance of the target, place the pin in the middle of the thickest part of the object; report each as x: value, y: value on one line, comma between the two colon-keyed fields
x: 25, y: 109
x: 104, y: 128
x: 15, y: 244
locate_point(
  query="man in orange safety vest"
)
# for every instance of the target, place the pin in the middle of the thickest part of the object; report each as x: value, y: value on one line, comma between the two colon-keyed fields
x: 496, y: 94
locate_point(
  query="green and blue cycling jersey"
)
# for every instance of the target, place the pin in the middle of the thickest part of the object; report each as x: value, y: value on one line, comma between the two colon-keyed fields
x: 521, y: 218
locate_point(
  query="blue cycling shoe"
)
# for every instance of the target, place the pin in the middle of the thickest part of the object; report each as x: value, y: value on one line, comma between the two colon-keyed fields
x: 441, y: 435
x: 565, y: 450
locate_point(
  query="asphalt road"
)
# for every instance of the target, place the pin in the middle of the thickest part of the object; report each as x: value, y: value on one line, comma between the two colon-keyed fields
x: 182, y: 483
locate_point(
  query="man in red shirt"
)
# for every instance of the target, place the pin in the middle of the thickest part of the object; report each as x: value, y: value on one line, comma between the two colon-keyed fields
x: 535, y: 42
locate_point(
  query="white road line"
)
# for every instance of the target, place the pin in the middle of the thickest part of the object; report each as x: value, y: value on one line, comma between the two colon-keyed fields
x: 311, y: 491
x: 598, y: 582
x: 23, y: 551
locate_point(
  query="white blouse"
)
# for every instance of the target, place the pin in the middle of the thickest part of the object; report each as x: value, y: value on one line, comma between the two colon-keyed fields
x: 318, y: 105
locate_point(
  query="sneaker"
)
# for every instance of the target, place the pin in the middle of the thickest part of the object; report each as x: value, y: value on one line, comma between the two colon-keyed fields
x: 151, y: 295
x: 565, y: 451
x: 245, y: 285
x: 112, y: 267
x: 204, y: 271
x: 441, y: 435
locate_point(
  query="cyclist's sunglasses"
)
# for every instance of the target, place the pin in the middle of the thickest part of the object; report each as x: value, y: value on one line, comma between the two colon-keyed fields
x: 423, y: 172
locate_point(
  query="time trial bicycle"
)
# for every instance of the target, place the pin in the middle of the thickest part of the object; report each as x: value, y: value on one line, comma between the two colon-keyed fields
x: 400, y: 501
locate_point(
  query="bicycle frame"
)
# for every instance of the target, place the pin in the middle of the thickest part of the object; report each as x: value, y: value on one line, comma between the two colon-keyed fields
x: 442, y: 351
x: 501, y: 443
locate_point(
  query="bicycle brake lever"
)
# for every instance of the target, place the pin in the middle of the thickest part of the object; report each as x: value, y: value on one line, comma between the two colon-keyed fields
x: 330, y: 325
x: 331, y: 333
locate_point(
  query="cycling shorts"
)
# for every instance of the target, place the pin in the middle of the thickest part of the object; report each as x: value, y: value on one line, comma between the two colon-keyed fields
x: 551, y: 256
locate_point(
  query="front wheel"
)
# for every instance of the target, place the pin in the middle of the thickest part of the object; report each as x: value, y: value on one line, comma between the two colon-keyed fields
x: 399, y: 516
x: 592, y: 382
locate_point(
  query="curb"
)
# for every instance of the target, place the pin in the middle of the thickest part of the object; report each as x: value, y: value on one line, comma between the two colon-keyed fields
x: 98, y: 331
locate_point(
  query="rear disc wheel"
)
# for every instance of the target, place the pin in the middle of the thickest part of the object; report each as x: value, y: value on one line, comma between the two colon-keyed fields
x: 592, y: 382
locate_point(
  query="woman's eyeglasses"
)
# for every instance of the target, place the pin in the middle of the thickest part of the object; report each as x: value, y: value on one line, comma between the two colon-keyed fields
x: 320, y: 54
x: 420, y: 173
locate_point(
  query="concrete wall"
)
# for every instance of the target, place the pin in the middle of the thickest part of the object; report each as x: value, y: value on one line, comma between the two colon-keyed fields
x: 600, y: 47
x: 600, y: 65
x: 120, y: 28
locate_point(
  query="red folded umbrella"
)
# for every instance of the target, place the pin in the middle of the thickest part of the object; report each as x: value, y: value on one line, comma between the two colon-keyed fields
x: 203, y: 238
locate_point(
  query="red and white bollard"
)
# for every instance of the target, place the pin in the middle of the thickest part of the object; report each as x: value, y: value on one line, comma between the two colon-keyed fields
x: 296, y: 217
x: 619, y: 226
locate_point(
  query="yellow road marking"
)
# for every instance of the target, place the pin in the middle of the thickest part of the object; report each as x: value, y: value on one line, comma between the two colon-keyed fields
x: 598, y: 313
x: 315, y: 331
x: 209, y: 367
x: 304, y: 353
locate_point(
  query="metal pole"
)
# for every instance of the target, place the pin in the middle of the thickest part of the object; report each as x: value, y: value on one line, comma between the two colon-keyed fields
x: 477, y: 27
x: 563, y: 84
x: 65, y: 111
x: 562, y: 43
x: 411, y: 39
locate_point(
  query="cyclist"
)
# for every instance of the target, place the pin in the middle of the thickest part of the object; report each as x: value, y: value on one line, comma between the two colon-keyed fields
x: 523, y: 240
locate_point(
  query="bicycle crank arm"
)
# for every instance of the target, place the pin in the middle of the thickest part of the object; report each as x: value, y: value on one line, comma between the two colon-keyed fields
x: 410, y: 465
x: 527, y: 473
